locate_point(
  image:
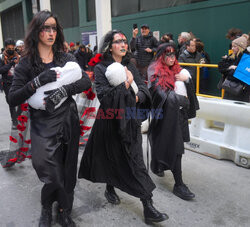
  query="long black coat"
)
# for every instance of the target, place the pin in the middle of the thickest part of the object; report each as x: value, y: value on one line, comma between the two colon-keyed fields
x: 54, y: 136
x: 113, y: 153
x: 168, y: 134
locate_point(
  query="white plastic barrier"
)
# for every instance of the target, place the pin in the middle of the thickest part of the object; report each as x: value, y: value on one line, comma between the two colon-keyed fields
x: 222, y: 130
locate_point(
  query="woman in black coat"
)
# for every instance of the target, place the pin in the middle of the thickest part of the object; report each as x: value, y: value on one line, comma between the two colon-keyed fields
x: 228, y: 65
x: 169, y: 130
x: 113, y: 154
x: 54, y: 131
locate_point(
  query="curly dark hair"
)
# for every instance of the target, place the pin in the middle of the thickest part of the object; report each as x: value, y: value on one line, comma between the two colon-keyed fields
x: 32, y: 37
x: 106, y: 44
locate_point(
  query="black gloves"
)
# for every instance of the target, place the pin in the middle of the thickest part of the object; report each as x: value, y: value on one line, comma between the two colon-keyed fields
x: 44, y: 78
x: 55, y: 96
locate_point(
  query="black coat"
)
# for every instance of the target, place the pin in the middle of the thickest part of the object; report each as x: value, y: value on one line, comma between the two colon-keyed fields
x: 113, y: 152
x: 82, y: 58
x: 54, y: 136
x: 138, y: 46
x: 190, y: 58
x: 223, y: 67
x: 168, y: 134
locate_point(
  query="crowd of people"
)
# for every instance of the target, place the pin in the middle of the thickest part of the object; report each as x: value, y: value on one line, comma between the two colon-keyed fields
x: 128, y: 78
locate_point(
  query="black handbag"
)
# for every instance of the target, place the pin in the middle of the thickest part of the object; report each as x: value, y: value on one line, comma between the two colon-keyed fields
x: 232, y: 87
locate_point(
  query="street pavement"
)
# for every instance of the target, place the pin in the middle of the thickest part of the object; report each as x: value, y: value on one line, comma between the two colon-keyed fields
x: 222, y: 192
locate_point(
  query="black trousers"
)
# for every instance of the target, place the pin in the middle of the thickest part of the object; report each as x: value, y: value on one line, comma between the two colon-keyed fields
x: 177, y: 172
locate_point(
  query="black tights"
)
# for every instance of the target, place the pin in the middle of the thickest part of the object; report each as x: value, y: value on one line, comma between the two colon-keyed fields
x: 177, y: 171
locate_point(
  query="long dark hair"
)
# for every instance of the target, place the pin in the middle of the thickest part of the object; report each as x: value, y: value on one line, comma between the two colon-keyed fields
x: 106, y: 44
x: 32, y: 37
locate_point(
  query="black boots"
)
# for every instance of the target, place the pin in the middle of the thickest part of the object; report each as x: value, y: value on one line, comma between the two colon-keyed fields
x: 111, y: 195
x: 46, y: 217
x: 64, y: 219
x: 183, y: 192
x: 152, y: 215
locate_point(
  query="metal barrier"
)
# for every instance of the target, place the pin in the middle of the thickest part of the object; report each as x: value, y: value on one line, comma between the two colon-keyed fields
x: 198, y: 66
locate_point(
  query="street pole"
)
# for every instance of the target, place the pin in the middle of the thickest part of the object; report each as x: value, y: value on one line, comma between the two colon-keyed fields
x: 103, y: 18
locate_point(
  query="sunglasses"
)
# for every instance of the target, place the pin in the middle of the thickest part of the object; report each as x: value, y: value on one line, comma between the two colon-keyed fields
x: 119, y: 41
x: 48, y: 28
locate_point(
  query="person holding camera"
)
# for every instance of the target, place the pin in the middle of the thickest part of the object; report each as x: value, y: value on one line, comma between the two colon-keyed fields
x: 143, y: 47
x: 8, y: 61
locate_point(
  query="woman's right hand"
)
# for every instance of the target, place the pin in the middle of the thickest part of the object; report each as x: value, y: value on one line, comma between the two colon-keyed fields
x: 130, y: 77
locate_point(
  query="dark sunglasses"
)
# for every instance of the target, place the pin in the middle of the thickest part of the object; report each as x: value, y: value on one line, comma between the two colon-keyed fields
x: 48, y: 28
x: 119, y: 41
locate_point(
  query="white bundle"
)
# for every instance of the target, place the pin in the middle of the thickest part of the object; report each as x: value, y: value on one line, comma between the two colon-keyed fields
x: 68, y: 74
x: 116, y: 75
x: 180, y: 87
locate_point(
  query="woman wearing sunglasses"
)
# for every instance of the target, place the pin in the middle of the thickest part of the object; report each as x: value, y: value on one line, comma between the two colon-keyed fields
x: 55, y: 131
x: 172, y: 91
x: 113, y: 154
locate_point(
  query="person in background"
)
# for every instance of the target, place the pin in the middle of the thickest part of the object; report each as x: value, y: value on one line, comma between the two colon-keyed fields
x: 228, y: 65
x: 19, y: 47
x: 113, y: 154
x: 143, y: 47
x: 72, y: 48
x: 182, y: 39
x: 82, y: 57
x: 54, y: 131
x: 232, y: 34
x: 77, y: 45
x: 9, y: 60
x: 190, y: 55
x: 168, y: 133
x: 66, y: 47
x: 204, y: 71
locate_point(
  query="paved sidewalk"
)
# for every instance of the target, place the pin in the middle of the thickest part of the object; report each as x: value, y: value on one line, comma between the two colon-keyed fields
x: 222, y: 195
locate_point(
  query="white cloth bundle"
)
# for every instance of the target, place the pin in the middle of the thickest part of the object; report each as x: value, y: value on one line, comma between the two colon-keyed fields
x: 68, y: 74
x: 180, y: 87
x: 116, y: 75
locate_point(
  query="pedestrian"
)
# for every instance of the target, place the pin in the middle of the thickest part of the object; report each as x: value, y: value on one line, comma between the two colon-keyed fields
x: 227, y: 67
x: 168, y: 133
x: 191, y: 55
x: 8, y: 62
x: 113, y: 154
x: 54, y: 131
x: 19, y: 47
x: 144, y: 47
x: 82, y: 57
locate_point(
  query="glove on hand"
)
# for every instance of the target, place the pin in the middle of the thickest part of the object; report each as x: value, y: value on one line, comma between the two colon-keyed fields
x: 44, y: 78
x: 54, y: 98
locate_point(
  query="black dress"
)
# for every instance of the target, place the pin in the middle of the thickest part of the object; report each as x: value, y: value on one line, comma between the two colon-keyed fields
x: 168, y: 133
x: 113, y: 154
x: 54, y: 136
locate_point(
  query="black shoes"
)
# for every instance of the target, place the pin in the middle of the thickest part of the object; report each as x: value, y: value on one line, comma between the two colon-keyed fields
x: 46, y: 217
x: 183, y: 192
x: 64, y: 219
x: 111, y: 195
x: 152, y: 215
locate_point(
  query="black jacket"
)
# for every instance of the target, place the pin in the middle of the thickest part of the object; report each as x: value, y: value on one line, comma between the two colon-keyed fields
x: 4, y: 69
x: 190, y: 58
x: 138, y: 46
x: 82, y: 58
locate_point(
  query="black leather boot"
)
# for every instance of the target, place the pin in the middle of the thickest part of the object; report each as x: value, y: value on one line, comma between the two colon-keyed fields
x: 183, y: 192
x: 152, y: 215
x: 64, y: 219
x: 111, y: 195
x: 46, y: 217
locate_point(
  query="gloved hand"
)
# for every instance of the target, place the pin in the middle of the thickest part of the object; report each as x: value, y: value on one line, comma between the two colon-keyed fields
x: 44, y: 78
x: 54, y: 97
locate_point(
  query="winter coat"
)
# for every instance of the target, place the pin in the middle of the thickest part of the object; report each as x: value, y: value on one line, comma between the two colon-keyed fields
x: 187, y: 57
x: 138, y: 46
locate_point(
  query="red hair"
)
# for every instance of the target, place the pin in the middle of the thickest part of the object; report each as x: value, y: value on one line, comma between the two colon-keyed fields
x: 165, y: 74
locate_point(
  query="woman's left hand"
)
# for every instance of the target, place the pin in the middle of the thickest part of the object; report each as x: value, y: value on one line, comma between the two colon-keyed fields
x: 181, y: 77
x: 136, y: 99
